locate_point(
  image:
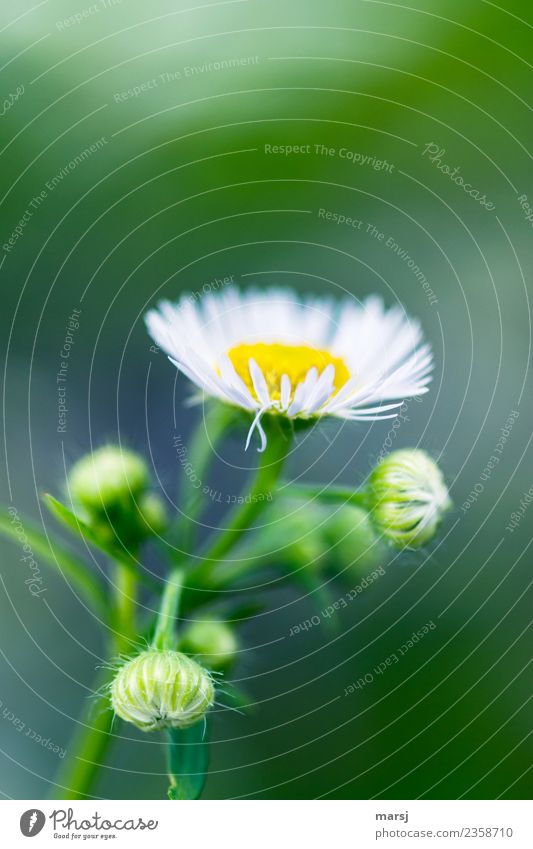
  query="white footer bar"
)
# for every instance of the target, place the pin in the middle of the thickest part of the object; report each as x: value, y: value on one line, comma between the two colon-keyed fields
x: 269, y: 824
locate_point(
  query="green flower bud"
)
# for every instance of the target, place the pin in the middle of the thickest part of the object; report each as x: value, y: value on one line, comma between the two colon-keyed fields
x: 152, y: 516
x: 108, y: 479
x: 407, y: 497
x: 161, y: 689
x: 213, y: 643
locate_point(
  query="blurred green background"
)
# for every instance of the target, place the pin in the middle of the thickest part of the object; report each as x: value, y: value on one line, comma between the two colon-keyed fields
x: 179, y: 102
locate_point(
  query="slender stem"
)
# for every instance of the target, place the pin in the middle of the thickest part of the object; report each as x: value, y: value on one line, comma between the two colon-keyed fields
x: 129, y: 562
x: 165, y: 630
x: 207, y: 435
x: 87, y: 748
x: 210, y: 581
x: 125, y: 601
x: 242, y: 518
x: 93, y: 735
x: 330, y: 494
x: 225, y: 575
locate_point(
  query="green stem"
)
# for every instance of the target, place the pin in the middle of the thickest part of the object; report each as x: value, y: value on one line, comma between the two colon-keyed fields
x: 124, y: 608
x: 129, y: 563
x: 207, y: 435
x: 242, y: 518
x: 210, y: 581
x: 165, y: 630
x: 330, y: 494
x: 88, y: 746
x: 93, y: 735
x: 226, y: 575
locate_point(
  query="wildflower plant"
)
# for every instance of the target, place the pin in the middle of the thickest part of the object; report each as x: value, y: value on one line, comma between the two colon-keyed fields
x: 266, y: 365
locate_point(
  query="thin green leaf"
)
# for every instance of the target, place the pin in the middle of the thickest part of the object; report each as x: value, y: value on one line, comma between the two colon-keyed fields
x: 71, y: 521
x: 81, y: 528
x: 188, y: 758
x: 59, y: 558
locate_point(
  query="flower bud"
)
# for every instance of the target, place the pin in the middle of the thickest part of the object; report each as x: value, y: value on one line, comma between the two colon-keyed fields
x: 407, y: 497
x: 213, y: 643
x: 108, y: 479
x: 161, y: 689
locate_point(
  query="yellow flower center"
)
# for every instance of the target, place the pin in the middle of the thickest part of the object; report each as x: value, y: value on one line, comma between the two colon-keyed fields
x: 276, y: 359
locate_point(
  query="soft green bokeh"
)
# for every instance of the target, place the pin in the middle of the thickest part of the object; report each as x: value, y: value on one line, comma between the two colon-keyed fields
x: 180, y: 192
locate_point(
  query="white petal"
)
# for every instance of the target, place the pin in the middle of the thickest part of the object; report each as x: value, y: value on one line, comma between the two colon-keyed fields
x: 303, y: 392
x: 322, y: 391
x: 227, y: 370
x: 259, y: 382
x: 285, y: 391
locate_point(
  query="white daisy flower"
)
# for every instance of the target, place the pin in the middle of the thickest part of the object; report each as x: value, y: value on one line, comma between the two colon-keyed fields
x: 275, y: 352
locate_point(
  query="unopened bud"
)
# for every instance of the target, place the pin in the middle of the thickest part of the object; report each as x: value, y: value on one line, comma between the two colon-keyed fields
x: 107, y: 479
x: 407, y: 497
x: 161, y: 689
x: 213, y: 643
